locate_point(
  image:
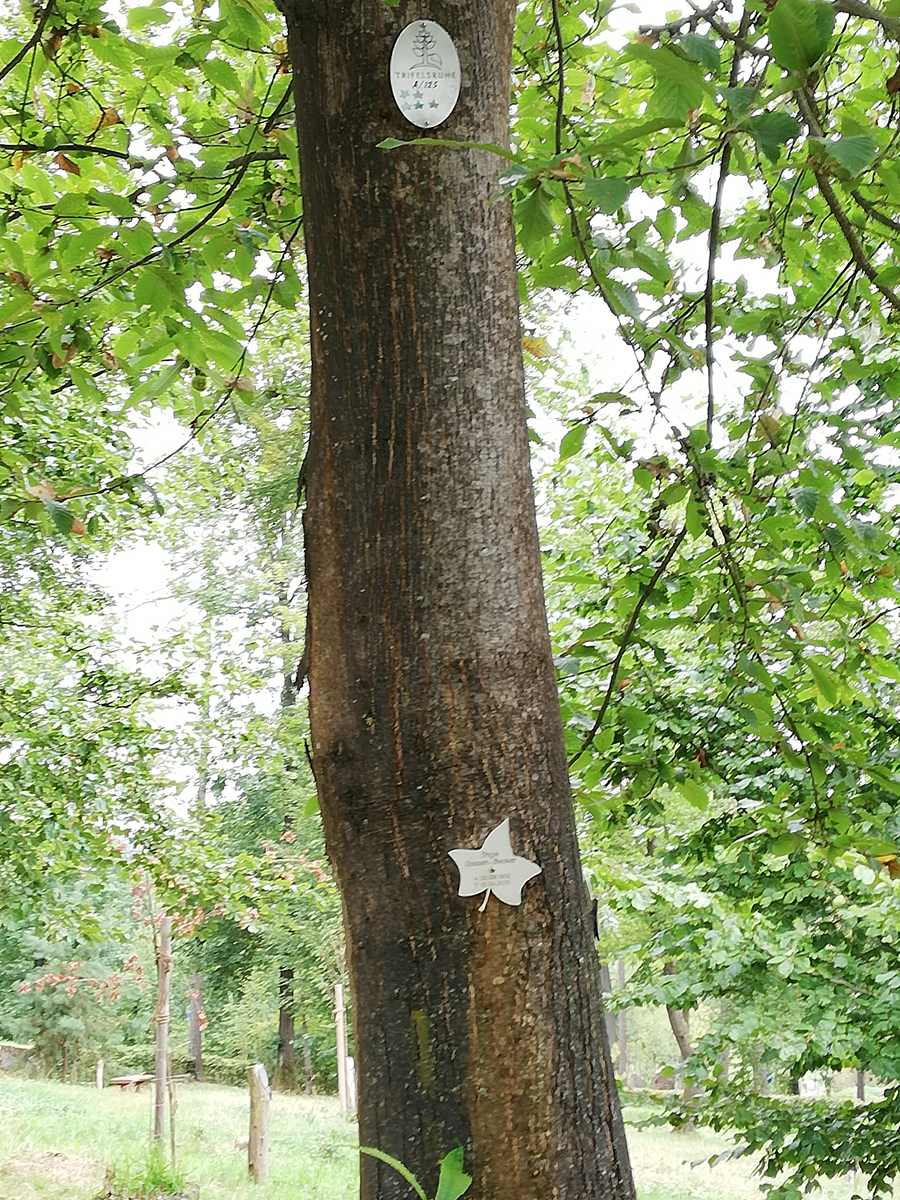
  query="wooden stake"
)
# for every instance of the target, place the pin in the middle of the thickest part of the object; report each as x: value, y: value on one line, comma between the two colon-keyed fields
x: 258, y: 1143
x: 161, y: 1019
x: 195, y: 1025
x: 99, y: 1074
x: 173, y: 1105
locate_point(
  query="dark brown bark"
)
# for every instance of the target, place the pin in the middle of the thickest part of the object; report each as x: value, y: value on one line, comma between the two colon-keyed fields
x: 285, y: 1078
x: 434, y: 712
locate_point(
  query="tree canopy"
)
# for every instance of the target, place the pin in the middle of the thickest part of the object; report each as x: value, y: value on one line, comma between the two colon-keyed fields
x: 710, y: 200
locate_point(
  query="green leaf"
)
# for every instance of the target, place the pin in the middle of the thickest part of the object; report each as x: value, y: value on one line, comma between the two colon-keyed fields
x: 402, y: 1171
x: 453, y: 1181
x: 146, y: 15
x: 535, y: 217
x: 60, y: 516
x: 741, y: 100
x: 665, y: 224
x: 827, y: 683
x: 606, y: 195
x: 572, y: 441
x: 623, y: 298
x: 800, y: 31
x: 772, y: 130
x: 449, y: 144
x: 680, y: 85
x: 221, y: 74
x: 807, y: 499
x: 694, y: 793
x: 785, y: 843
x: 702, y: 50
x: 853, y: 154
x: 884, y: 667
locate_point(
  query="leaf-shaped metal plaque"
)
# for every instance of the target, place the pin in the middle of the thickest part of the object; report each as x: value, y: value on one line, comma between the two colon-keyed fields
x: 494, y: 868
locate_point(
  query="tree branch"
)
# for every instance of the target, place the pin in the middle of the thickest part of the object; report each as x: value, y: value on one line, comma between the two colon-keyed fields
x: 78, y: 147
x: 714, y: 228
x: 858, y: 8
x: 627, y: 633
x: 807, y: 107
x: 32, y: 41
x: 560, y: 76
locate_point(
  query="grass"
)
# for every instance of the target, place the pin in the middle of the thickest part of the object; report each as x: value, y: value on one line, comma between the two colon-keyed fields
x: 58, y: 1140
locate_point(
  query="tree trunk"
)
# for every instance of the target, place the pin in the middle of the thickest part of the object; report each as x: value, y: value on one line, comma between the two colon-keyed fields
x: 309, y: 1072
x: 609, y: 1018
x: 286, y: 1068
x: 195, y: 1025
x: 161, y: 1020
x: 622, y: 1031
x: 861, y: 1085
x: 679, y: 1023
x: 434, y: 710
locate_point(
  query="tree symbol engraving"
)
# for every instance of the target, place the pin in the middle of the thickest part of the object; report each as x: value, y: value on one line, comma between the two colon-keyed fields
x: 424, y: 49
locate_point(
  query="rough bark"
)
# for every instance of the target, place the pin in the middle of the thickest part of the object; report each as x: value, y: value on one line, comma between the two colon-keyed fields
x: 434, y: 711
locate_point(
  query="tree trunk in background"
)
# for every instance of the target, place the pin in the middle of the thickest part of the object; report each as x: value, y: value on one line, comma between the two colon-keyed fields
x: 861, y: 1085
x: 609, y: 1018
x: 195, y: 1025
x: 760, y: 1071
x: 161, y: 1020
x: 434, y: 710
x: 622, y: 1031
x: 286, y: 1068
x: 679, y: 1023
x: 285, y: 1076
x: 309, y: 1073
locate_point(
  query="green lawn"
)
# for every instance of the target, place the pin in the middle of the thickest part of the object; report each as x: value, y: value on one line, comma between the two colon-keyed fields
x: 56, y: 1141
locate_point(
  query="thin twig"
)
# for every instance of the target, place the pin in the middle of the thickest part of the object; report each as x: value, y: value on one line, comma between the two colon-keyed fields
x: 627, y: 633
x: 560, y: 75
x: 708, y: 304
x: 714, y: 229
x: 807, y: 105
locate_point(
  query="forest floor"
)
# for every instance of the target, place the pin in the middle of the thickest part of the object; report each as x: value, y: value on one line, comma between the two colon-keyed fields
x: 57, y: 1140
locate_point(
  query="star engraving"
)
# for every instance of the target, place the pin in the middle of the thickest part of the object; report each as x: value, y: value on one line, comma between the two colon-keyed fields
x: 433, y: 104
x: 418, y: 104
x: 494, y: 868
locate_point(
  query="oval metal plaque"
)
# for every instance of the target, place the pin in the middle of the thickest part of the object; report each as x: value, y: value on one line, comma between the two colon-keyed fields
x: 425, y: 74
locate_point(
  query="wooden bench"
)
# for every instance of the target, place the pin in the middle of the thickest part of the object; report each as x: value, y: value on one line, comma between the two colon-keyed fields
x: 136, y: 1082
x: 130, y: 1082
